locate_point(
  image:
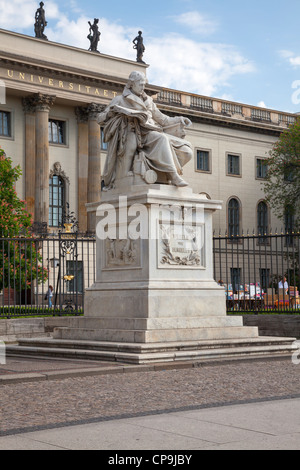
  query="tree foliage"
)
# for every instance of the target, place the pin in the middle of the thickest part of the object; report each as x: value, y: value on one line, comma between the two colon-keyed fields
x: 20, y: 260
x: 282, y: 187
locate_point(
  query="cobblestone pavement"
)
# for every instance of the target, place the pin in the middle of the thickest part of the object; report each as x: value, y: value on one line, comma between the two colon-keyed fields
x: 26, y: 405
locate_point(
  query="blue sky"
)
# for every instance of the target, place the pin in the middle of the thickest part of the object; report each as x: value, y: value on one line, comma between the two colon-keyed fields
x: 247, y: 52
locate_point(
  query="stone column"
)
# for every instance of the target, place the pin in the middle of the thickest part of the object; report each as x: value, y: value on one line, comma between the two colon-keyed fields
x: 30, y: 148
x: 83, y: 155
x: 43, y: 104
x: 94, y: 162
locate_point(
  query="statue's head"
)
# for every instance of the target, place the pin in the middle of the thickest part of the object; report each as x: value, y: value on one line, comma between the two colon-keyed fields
x: 136, y: 77
x: 41, y: 4
x: 136, y: 82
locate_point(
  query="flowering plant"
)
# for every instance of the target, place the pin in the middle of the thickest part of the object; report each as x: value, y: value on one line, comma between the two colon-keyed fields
x: 20, y: 259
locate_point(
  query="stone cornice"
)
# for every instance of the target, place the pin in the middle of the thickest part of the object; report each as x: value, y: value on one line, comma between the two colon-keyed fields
x: 60, y: 72
x: 82, y: 82
x: 46, y: 57
x: 222, y: 121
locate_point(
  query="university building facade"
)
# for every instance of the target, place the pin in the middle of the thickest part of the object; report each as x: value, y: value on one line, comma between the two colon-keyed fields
x: 48, y: 125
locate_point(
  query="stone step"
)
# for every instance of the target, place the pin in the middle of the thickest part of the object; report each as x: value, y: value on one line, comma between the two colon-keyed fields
x: 152, y: 347
x: 122, y: 323
x: 157, y: 335
x: 155, y: 353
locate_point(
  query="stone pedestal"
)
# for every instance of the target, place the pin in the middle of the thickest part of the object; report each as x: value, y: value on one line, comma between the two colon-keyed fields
x: 155, y: 286
x: 155, y: 299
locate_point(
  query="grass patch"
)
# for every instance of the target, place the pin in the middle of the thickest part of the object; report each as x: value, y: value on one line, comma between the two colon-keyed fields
x: 263, y: 312
x: 35, y: 312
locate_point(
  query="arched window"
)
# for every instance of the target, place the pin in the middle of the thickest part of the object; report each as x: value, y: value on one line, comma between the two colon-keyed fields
x: 262, y: 218
x: 262, y: 222
x: 56, y: 200
x: 233, y: 218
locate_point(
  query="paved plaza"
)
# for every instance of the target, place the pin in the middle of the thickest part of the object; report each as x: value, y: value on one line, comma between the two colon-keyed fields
x: 73, y: 404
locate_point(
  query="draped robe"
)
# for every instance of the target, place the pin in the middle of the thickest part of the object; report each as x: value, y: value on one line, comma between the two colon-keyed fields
x: 157, y: 135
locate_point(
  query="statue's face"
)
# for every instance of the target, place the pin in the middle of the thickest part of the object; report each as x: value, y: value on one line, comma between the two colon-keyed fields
x: 138, y: 87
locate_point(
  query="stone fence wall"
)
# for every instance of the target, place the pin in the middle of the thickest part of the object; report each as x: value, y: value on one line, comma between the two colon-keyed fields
x: 275, y: 325
x: 12, y: 329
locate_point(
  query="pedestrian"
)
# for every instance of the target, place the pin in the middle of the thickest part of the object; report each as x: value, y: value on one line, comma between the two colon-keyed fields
x: 49, y: 296
x: 283, y: 284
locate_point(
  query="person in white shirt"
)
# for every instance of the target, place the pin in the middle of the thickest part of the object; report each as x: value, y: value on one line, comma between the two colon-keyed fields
x: 283, y: 284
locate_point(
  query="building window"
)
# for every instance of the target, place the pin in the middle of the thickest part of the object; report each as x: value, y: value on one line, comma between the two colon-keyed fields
x: 56, y: 200
x: 57, y: 132
x: 203, y: 161
x: 233, y: 167
x: 264, y: 275
x: 262, y: 220
x: 75, y: 268
x: 291, y: 173
x: 233, y: 218
x: 104, y: 145
x: 261, y: 168
x: 289, y: 222
x: 5, y: 124
x: 235, y: 274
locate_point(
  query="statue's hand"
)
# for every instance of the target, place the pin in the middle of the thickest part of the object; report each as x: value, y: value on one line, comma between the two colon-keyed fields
x: 101, y: 118
x: 186, y: 121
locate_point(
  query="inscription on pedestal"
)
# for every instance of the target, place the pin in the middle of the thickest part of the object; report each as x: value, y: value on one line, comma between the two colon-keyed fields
x: 181, y: 245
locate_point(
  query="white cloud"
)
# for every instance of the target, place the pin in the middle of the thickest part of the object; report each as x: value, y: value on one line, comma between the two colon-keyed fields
x: 290, y: 57
x: 196, y: 22
x: 115, y: 40
x: 295, y: 61
x: 285, y: 53
x: 184, y: 64
x: 19, y: 15
x: 175, y: 61
x: 262, y: 104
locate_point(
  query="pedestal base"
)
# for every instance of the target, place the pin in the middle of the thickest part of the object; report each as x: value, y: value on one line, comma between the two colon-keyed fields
x: 176, y: 353
x: 155, y: 299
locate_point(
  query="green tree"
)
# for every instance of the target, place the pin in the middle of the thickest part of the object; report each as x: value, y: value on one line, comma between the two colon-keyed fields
x: 282, y: 186
x: 20, y: 259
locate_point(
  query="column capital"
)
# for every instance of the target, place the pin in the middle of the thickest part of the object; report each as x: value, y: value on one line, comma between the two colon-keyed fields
x: 94, y: 109
x: 43, y: 102
x: 82, y: 114
x: 29, y: 106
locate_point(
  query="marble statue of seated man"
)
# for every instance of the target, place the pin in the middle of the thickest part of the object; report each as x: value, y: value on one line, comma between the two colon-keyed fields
x: 135, y: 128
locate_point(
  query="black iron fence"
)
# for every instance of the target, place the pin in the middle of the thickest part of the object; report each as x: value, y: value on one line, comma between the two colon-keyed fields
x: 45, y: 275
x: 260, y: 273
x: 48, y: 275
